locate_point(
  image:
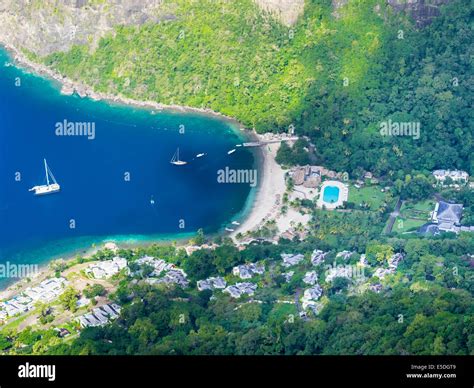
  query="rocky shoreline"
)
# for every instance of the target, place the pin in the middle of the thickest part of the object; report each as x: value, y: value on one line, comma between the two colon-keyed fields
x: 69, y: 87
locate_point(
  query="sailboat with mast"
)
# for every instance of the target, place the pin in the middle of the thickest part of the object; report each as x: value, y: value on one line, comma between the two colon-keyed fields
x: 176, y: 161
x: 49, y: 188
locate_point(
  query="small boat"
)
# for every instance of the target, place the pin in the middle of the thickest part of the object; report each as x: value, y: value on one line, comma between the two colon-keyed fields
x: 152, y: 200
x: 235, y: 223
x: 175, y: 159
x: 231, y: 152
x: 229, y: 230
x: 239, y: 145
x: 48, y: 188
x: 200, y: 155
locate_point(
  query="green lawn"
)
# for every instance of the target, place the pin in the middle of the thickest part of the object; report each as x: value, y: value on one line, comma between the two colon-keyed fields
x: 419, y: 210
x: 368, y: 194
x: 282, y: 311
x: 403, y: 225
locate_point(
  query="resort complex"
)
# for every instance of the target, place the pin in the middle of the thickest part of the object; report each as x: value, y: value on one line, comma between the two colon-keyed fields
x: 236, y: 178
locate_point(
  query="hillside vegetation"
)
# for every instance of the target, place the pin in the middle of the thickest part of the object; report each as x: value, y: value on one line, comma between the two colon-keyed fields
x: 335, y: 79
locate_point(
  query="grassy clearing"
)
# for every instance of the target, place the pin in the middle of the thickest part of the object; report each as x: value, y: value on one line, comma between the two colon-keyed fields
x: 368, y: 194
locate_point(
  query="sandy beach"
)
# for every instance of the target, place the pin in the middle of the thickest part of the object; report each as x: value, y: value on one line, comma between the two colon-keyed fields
x: 271, y: 181
x: 270, y: 190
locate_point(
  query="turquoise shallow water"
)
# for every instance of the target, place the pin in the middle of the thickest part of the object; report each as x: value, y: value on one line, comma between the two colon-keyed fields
x: 158, y: 201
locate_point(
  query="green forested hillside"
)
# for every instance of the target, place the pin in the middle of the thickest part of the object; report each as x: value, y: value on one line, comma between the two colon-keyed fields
x: 336, y: 80
x: 426, y: 307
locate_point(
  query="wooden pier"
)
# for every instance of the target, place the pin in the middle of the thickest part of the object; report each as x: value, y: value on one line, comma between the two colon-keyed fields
x: 265, y: 142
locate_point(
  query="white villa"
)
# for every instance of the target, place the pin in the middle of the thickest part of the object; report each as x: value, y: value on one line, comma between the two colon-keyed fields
x: 310, y: 296
x: 247, y: 271
x: 239, y: 289
x: 456, y: 176
x: 159, y: 265
x: 291, y: 259
x: 317, y: 257
x: 100, y: 316
x: 45, y: 292
x: 174, y: 276
x: 446, y: 217
x: 108, y: 268
x: 211, y: 283
x: 310, y: 277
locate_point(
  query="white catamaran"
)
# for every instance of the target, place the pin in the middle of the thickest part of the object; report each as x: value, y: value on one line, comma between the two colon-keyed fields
x: 175, y: 160
x: 49, y: 188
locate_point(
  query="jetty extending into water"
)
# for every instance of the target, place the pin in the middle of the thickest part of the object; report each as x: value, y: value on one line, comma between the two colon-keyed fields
x: 276, y: 139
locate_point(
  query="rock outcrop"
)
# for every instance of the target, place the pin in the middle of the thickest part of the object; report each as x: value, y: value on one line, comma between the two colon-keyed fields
x: 53, y: 26
x: 422, y: 11
x: 57, y: 25
x: 288, y: 11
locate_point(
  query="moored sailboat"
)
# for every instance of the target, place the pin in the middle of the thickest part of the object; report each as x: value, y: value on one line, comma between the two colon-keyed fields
x: 48, y: 188
x: 176, y: 161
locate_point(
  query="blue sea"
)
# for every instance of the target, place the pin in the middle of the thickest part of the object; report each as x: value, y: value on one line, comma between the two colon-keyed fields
x: 118, y: 186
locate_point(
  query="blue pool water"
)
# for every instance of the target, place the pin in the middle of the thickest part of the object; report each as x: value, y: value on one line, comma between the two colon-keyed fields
x: 157, y: 199
x: 331, y: 194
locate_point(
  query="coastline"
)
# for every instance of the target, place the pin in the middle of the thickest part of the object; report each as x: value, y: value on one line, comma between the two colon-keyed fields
x: 270, y: 190
x: 69, y: 87
x: 251, y: 214
x: 121, y: 242
x: 270, y: 172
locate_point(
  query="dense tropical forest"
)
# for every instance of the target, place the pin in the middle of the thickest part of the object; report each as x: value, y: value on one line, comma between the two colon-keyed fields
x: 335, y: 79
x: 427, y: 308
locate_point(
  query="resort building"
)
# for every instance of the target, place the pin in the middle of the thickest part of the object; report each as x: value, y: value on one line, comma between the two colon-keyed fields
x: 395, y: 260
x: 108, y: 268
x: 392, y: 266
x: 100, y: 316
x: 247, y: 271
x: 290, y: 259
x: 317, y: 257
x: 193, y: 248
x: 310, y: 296
x: 382, y: 272
x: 292, y: 233
x: 111, y: 246
x: 446, y: 217
x: 172, y: 277
x: 211, y: 283
x: 239, y: 289
x: 455, y: 176
x: 332, y: 195
x: 45, y: 292
x: 311, y: 176
x: 310, y: 277
x: 159, y: 265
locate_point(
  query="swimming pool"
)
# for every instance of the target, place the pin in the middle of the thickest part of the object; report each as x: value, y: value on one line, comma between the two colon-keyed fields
x: 331, y: 194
